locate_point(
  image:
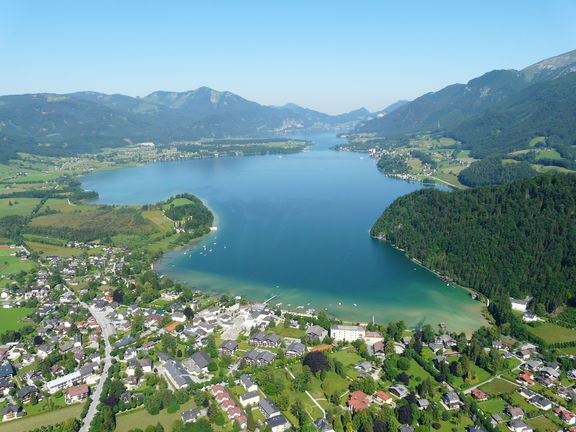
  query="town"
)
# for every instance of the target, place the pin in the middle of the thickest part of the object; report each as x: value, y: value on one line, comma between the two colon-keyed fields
x: 105, y: 347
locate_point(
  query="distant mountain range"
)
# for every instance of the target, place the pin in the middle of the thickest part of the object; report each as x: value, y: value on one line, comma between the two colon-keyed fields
x: 450, y: 107
x: 64, y: 124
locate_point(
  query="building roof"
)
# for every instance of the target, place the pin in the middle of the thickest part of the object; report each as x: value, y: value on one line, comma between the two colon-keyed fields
x: 78, y: 390
x: 228, y: 345
x: 190, y: 414
x: 246, y: 381
x: 268, y: 407
x: 26, y: 391
x: 201, y: 359
x: 277, y: 421
x: 249, y: 395
x: 358, y: 400
x: 6, y: 370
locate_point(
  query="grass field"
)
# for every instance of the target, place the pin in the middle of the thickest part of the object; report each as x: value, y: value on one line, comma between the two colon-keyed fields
x: 52, y: 250
x: 14, y: 265
x: 493, y: 406
x: 105, y: 221
x: 569, y: 351
x: 498, y: 387
x: 11, y: 319
x: 552, y: 333
x: 543, y: 424
x: 548, y: 154
x: 140, y: 418
x: 288, y: 332
x: 347, y: 357
x: 177, y: 202
x: 17, y: 206
x: 63, y: 206
x: 50, y: 418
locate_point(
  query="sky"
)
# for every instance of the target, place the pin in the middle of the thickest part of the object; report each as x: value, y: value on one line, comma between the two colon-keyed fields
x: 332, y: 56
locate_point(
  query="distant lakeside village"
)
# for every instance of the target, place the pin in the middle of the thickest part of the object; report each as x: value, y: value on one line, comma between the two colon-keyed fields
x: 201, y: 362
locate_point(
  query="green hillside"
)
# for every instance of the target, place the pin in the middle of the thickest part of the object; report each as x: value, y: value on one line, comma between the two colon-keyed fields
x: 546, y: 109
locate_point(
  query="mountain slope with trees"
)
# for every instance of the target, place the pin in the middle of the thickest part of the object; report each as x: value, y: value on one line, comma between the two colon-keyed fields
x: 517, y: 239
x: 84, y: 122
x: 546, y: 109
x: 450, y: 106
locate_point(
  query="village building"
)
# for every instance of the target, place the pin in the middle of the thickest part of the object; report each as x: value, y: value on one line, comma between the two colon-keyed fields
x: 346, y: 333
x: 358, y: 401
x: 76, y: 394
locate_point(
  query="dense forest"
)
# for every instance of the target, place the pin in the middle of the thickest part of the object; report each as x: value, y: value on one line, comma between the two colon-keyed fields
x: 491, y: 171
x: 513, y: 239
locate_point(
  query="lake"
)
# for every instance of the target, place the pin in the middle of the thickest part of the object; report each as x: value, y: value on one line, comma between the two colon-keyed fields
x: 296, y: 227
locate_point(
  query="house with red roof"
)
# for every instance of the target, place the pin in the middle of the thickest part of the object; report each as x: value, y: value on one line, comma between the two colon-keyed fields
x: 567, y: 417
x: 525, y: 377
x: 479, y: 395
x: 358, y: 401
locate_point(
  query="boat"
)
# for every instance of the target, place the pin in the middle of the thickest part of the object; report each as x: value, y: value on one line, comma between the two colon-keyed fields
x: 354, y: 304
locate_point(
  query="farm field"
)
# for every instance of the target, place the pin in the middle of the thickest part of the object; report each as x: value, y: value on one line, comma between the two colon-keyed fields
x: 498, y: 387
x: 140, y: 418
x: 10, y: 319
x: 17, y: 206
x: 543, y: 424
x: 552, y: 333
x: 50, y: 418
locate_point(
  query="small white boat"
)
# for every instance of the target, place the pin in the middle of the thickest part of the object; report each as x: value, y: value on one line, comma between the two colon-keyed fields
x: 354, y: 304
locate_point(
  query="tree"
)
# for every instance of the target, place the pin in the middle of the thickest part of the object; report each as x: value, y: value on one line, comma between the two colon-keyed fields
x: 108, y: 419
x: 316, y: 360
x: 404, y: 414
x: 403, y: 363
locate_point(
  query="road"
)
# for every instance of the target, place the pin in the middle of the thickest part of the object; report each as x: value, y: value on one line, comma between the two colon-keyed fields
x: 107, y: 331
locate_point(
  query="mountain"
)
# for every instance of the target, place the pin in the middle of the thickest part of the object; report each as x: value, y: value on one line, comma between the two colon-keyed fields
x: 85, y: 121
x: 392, y: 107
x: 551, y: 68
x: 454, y: 104
x: 517, y: 239
x: 546, y: 109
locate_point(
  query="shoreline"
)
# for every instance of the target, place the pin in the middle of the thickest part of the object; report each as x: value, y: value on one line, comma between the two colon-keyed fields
x: 480, y: 296
x: 156, y: 264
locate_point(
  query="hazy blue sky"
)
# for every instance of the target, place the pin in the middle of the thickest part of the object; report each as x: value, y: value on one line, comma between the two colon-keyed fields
x: 328, y: 55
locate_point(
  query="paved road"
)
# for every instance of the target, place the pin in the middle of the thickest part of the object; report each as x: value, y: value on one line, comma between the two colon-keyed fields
x: 107, y: 331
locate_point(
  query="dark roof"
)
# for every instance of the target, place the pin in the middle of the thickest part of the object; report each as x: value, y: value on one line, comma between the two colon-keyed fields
x: 125, y: 342
x: 277, y: 420
x: 268, y: 407
x: 229, y: 345
x: 190, y: 414
x: 26, y: 391
x: 201, y: 359
x: 246, y: 380
x: 249, y: 395
x: 6, y: 370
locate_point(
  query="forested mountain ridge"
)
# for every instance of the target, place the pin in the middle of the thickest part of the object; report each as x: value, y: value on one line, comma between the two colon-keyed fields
x: 546, y: 109
x: 456, y: 103
x: 515, y: 239
x: 55, y: 124
x: 448, y: 107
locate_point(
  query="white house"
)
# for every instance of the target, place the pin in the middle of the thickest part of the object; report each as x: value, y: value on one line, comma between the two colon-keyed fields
x: 250, y: 398
x: 520, y: 304
x: 346, y: 333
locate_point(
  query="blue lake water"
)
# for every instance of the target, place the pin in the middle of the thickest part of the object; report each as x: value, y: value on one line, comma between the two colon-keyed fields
x: 296, y: 226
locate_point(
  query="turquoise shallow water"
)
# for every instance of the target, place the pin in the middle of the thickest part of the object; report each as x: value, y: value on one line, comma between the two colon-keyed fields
x: 296, y: 226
